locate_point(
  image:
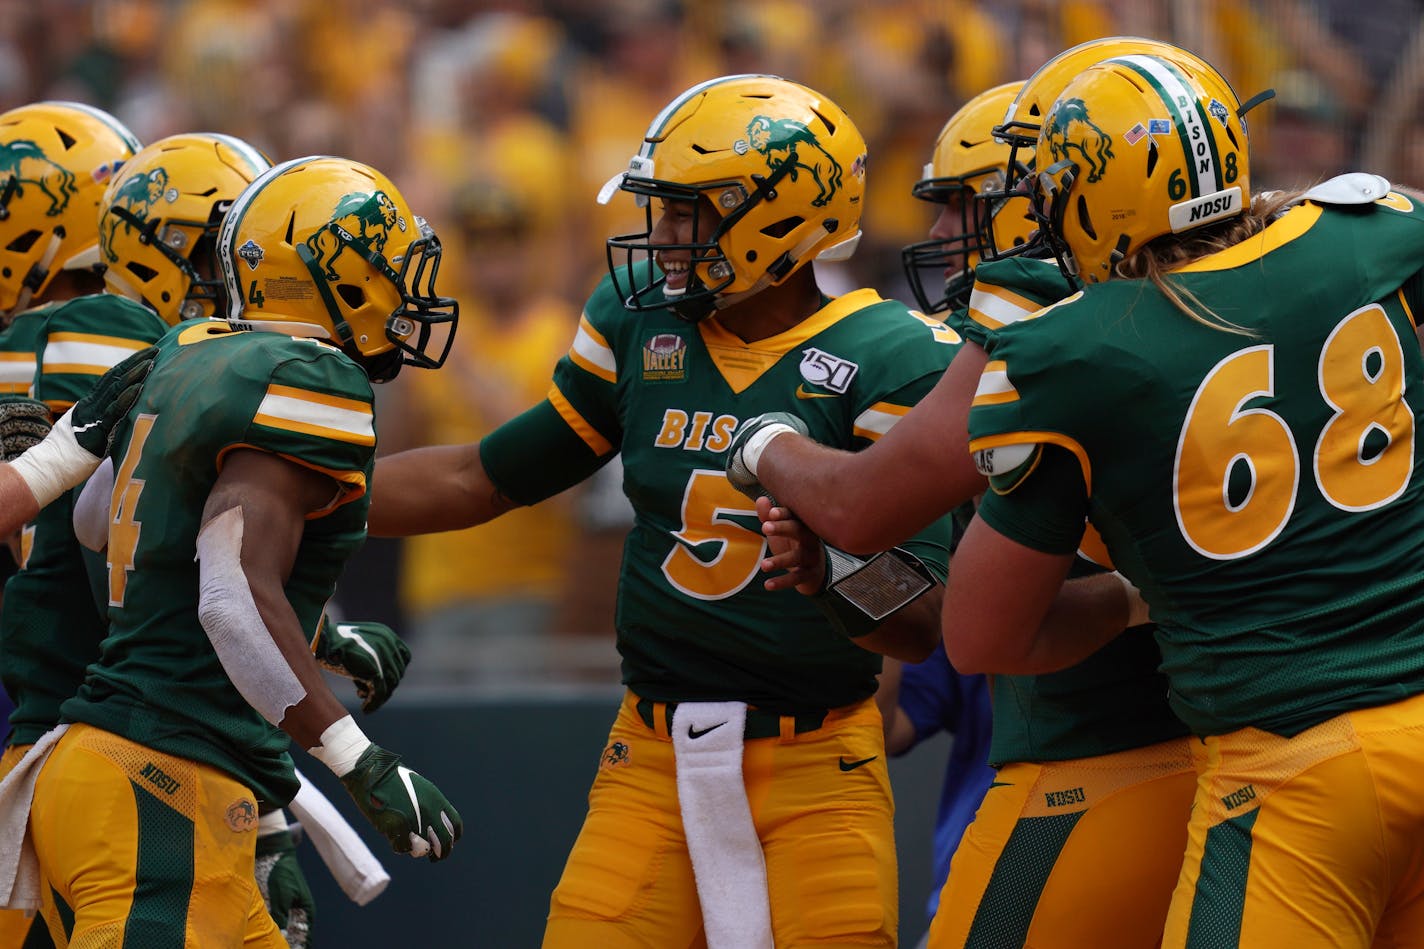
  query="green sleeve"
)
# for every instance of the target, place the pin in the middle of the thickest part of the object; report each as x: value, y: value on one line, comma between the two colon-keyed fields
x: 535, y: 455
x: 1047, y: 509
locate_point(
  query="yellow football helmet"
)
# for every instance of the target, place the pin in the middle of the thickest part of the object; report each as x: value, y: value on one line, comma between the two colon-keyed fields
x: 1137, y: 147
x: 56, y: 158
x: 159, y: 220
x: 781, y: 166
x: 327, y: 247
x: 968, y: 164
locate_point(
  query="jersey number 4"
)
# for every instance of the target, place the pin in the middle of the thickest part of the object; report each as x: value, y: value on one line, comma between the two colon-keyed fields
x: 1237, y: 471
x: 124, y: 529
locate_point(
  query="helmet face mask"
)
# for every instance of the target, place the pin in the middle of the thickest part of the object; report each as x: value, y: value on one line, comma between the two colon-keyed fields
x: 159, y: 222
x: 781, y: 167
x: 56, y: 158
x: 1135, y: 148
x: 328, y: 248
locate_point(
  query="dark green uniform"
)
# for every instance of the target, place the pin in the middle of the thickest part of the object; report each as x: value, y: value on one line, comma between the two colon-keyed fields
x: 158, y: 681
x: 52, y: 620
x: 1259, y: 486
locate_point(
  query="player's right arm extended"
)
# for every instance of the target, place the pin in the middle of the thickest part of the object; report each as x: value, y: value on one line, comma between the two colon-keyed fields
x: 253, y: 523
x: 533, y: 456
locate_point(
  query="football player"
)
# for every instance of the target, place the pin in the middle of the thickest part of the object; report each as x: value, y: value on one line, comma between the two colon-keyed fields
x: 1248, y: 445
x: 743, y: 797
x: 254, y: 437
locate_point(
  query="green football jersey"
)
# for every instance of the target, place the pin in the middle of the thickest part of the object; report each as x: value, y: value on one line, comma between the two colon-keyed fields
x: 18, y: 342
x: 1115, y: 699
x: 694, y: 621
x: 52, y: 619
x: 1259, y: 485
x: 212, y: 390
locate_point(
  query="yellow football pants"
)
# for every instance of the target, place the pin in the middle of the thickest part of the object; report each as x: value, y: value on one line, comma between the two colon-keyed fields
x: 1310, y: 841
x: 146, y: 850
x: 15, y: 925
x: 821, y: 804
x: 1071, y: 854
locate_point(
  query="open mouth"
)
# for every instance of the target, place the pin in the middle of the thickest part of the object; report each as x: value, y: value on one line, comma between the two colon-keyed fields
x: 677, y: 272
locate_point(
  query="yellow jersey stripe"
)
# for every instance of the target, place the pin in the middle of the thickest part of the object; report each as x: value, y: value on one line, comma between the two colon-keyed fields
x: 592, y: 353
x: 596, y: 442
x: 994, y: 385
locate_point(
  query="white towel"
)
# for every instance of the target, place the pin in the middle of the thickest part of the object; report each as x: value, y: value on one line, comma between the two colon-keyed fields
x: 350, y: 861
x: 19, y: 866
x: 727, y: 860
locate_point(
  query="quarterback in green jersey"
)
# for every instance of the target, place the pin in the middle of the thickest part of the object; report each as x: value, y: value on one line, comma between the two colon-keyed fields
x: 252, y: 447
x: 742, y: 797
x: 1232, y: 401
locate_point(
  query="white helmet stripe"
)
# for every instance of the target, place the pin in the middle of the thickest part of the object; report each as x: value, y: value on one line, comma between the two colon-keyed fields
x: 1196, y: 137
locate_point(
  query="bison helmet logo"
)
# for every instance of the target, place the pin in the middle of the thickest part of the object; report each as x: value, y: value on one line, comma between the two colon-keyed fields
x: 132, y: 202
x: 365, y: 218
x: 1069, y: 129
x: 790, y: 144
x: 24, y: 163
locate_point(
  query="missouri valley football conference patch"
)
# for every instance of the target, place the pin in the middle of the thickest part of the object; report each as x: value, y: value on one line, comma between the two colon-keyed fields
x: 665, y: 358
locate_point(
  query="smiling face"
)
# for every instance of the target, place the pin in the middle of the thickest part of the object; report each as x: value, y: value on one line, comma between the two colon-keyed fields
x: 680, y: 226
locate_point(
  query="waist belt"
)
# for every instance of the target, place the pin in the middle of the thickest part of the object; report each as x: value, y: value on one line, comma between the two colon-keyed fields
x: 760, y: 724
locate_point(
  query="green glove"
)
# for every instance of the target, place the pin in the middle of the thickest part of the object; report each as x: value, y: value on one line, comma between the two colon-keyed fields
x: 93, y: 417
x: 412, y: 813
x: 23, y: 424
x: 369, y: 653
x: 747, y: 444
x: 284, y: 888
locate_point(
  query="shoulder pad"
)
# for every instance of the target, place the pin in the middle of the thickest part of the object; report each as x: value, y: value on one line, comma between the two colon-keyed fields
x: 1356, y: 187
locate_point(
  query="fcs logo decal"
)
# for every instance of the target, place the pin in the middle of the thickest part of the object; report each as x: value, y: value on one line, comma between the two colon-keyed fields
x: 25, y: 163
x: 773, y: 137
x: 1069, y: 129
x: 133, y: 200
x: 359, y: 217
x: 252, y: 253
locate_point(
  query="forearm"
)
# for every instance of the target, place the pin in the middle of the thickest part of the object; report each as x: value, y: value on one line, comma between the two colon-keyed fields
x: 911, y: 633
x: 1086, y: 615
x: 17, y: 504
x: 425, y: 490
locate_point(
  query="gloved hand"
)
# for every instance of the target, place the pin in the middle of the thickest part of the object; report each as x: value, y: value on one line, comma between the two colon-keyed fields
x: 93, y: 417
x: 284, y: 888
x: 749, y: 440
x: 369, y: 653
x: 23, y: 424
x: 412, y: 813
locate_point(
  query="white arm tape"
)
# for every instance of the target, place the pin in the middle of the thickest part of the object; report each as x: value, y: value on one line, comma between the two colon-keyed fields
x: 341, y: 744
x: 751, y: 452
x: 56, y: 464
x: 351, y: 862
x: 229, y: 615
x: 273, y: 823
x: 91, y: 511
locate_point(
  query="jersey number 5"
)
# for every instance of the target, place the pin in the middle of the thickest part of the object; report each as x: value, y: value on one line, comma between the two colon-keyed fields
x: 1363, y: 456
x: 707, y: 505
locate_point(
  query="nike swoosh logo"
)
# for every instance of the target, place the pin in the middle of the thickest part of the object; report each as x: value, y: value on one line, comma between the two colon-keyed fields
x: 693, y: 732
x: 852, y: 765
x: 1001, y: 784
x: 802, y: 393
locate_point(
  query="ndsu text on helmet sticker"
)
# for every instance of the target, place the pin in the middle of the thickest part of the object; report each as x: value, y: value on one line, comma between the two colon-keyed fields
x: 25, y: 163
x: 130, y: 207
x: 779, y: 141
x: 365, y: 217
x: 1069, y: 129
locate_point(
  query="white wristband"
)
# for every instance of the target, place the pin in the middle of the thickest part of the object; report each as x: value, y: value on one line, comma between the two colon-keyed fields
x: 1136, y: 606
x: 751, y: 451
x: 273, y: 823
x: 341, y: 744
x: 56, y: 464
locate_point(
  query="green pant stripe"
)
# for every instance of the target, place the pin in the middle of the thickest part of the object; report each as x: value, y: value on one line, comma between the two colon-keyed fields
x: 163, y: 879
x: 1002, y: 918
x: 1220, y: 897
x: 38, y: 936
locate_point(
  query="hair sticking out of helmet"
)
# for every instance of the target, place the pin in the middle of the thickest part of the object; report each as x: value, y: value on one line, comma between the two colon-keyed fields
x: 779, y: 166
x: 56, y: 159
x: 328, y: 248
x: 159, y: 220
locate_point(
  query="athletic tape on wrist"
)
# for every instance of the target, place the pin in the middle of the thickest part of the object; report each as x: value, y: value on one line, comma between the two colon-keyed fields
x: 342, y: 744
x: 56, y: 464
x: 751, y: 451
x: 273, y: 823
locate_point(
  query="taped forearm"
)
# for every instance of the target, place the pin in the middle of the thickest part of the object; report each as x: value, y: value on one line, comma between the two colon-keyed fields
x: 229, y: 615
x: 56, y: 464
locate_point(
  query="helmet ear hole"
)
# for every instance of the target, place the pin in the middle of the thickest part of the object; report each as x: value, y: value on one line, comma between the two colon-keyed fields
x: 1084, y: 221
x: 352, y: 295
x: 23, y: 242
x: 783, y: 227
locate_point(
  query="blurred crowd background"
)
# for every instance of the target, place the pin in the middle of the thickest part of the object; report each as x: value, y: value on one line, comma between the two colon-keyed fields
x: 500, y: 121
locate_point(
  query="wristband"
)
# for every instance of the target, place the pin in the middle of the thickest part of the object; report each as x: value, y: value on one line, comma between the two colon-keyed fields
x: 273, y: 823
x: 56, y: 464
x: 751, y: 451
x: 341, y: 745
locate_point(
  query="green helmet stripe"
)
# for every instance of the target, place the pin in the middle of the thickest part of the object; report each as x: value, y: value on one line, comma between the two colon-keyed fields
x: 1188, y: 117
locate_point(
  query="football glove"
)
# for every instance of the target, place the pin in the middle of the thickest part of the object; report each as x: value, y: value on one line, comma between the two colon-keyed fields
x: 748, y: 442
x: 23, y: 424
x: 410, y: 811
x: 283, y: 887
x: 93, y: 417
x: 370, y: 654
